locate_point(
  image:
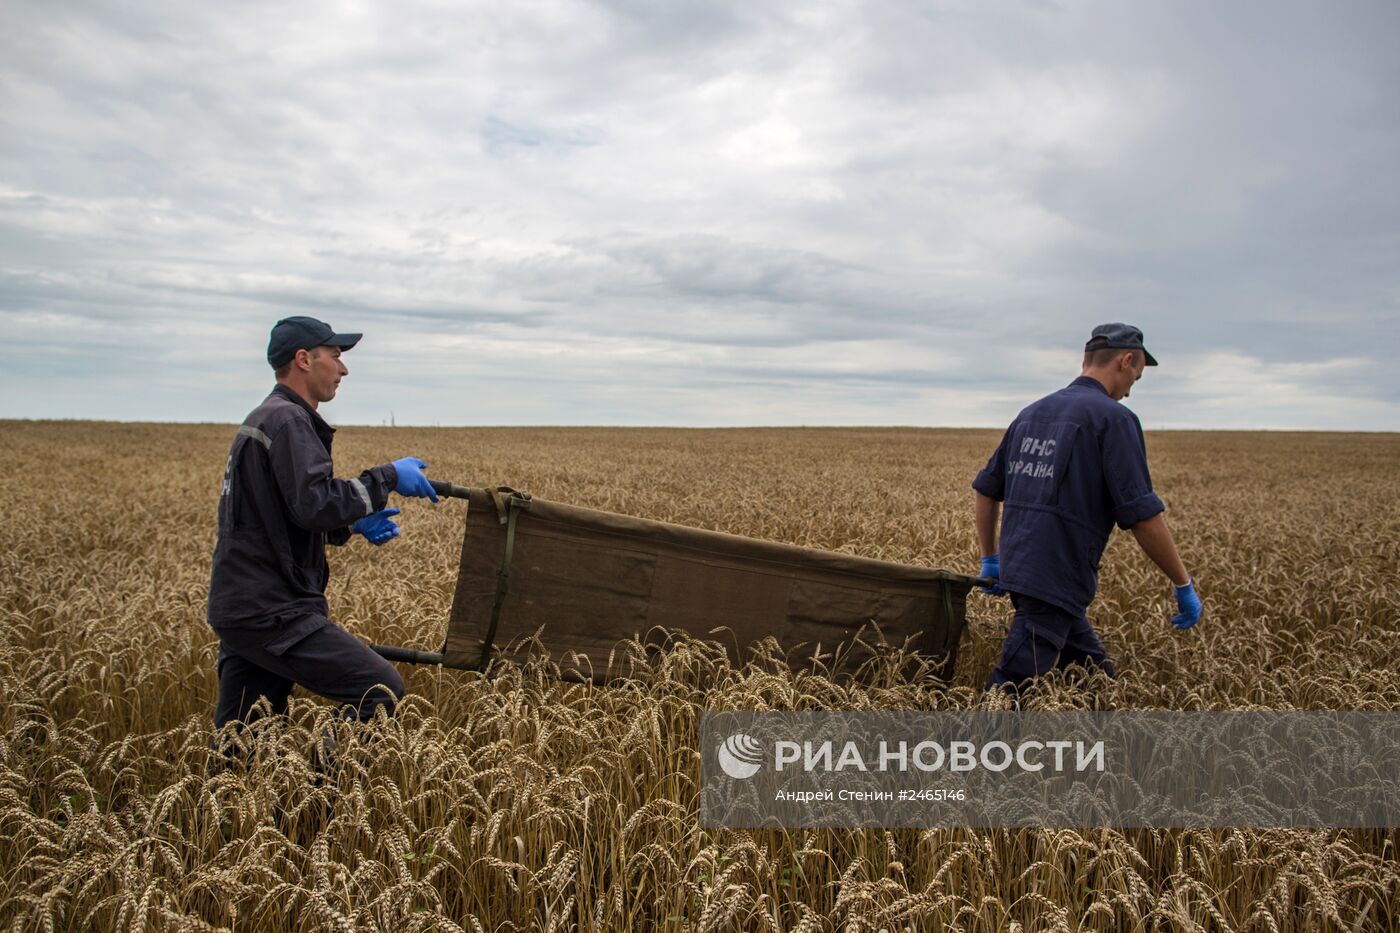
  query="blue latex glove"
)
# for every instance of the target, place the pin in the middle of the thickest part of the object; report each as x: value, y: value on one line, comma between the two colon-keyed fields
x: 1189, y: 604
x: 376, y: 527
x: 991, y: 570
x: 412, y: 482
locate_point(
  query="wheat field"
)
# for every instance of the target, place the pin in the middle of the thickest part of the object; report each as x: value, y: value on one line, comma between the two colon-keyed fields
x: 521, y: 802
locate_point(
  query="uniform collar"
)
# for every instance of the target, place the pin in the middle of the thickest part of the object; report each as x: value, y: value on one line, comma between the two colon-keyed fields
x: 1090, y: 382
x: 317, y: 421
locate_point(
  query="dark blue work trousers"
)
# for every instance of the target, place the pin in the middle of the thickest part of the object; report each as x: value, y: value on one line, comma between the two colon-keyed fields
x: 1044, y: 637
x: 329, y: 661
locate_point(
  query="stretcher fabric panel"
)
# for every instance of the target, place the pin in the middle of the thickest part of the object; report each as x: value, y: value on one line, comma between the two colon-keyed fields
x: 584, y: 580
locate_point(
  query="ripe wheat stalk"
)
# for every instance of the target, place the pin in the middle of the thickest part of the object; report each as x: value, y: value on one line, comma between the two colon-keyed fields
x: 524, y: 802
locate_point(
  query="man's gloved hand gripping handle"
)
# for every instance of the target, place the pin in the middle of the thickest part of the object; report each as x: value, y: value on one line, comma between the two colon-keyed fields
x: 991, y: 570
x: 411, y: 481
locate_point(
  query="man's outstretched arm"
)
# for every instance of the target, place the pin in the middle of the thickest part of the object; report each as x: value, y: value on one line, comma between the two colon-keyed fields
x: 1155, y: 539
x: 986, y: 511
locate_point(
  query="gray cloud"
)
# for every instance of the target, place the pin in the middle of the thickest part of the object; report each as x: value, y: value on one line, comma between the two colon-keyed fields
x: 702, y: 213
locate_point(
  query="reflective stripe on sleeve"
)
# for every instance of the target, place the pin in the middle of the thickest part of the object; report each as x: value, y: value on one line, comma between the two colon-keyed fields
x: 247, y: 430
x: 364, y: 494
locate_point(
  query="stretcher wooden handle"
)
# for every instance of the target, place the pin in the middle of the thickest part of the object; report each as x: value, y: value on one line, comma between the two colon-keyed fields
x: 449, y: 490
x: 412, y: 655
x: 407, y: 655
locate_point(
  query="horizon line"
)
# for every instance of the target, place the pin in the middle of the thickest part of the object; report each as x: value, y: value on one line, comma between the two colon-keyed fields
x: 688, y: 427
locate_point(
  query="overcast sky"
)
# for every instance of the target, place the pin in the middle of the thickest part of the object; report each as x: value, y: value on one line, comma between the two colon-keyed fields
x: 702, y: 213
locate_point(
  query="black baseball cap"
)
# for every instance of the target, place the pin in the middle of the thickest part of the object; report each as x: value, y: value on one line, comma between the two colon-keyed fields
x: 1118, y: 337
x: 303, y: 333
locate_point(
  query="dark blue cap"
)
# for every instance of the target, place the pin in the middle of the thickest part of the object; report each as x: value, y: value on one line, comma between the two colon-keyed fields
x: 1118, y: 337
x: 303, y: 333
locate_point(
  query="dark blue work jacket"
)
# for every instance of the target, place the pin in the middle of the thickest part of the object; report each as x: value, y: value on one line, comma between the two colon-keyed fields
x: 1070, y: 466
x: 279, y: 507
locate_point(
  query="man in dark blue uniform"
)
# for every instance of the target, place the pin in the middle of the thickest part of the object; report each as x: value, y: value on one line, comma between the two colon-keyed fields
x: 1071, y: 466
x: 281, y: 505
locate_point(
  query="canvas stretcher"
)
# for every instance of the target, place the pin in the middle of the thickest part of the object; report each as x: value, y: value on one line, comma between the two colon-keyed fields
x: 576, y: 582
